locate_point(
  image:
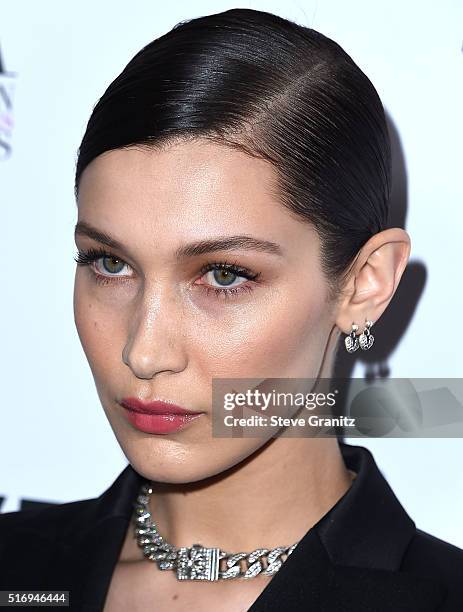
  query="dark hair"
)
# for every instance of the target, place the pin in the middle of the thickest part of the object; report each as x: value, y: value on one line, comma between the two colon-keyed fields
x: 276, y: 90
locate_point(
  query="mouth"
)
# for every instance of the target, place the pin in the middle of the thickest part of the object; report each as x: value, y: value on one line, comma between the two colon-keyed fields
x: 157, y: 417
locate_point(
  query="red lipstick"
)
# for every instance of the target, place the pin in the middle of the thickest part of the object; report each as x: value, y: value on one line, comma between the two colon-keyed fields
x: 157, y: 417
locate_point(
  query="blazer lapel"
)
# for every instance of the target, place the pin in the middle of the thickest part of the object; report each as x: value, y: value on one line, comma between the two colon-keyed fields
x: 350, y: 559
x: 309, y: 581
x: 368, y: 526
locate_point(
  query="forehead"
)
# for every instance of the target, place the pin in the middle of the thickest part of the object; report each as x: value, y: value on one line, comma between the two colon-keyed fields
x: 186, y: 190
x: 199, y: 174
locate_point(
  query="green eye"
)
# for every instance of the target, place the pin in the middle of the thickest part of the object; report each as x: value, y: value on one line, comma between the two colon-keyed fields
x: 224, y: 276
x: 106, y: 267
x: 112, y: 265
x: 226, y: 279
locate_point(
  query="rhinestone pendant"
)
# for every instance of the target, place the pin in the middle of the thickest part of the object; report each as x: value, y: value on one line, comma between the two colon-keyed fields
x: 366, y: 338
x: 198, y: 563
x: 366, y: 341
x: 352, y: 343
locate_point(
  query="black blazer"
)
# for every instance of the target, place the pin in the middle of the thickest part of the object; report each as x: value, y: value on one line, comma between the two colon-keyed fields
x: 364, y: 555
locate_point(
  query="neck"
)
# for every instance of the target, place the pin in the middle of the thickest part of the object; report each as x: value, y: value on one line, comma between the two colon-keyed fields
x: 272, y: 499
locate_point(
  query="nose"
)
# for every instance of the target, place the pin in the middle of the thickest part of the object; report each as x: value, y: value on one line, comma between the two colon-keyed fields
x: 153, y: 342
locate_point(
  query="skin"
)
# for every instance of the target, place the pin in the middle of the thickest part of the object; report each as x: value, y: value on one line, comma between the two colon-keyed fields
x: 154, y: 332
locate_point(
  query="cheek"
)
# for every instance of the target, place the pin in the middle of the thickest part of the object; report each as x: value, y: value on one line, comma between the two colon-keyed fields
x: 99, y: 330
x: 285, y: 338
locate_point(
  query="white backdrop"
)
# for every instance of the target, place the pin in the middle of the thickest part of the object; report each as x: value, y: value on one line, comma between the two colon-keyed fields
x: 53, y: 429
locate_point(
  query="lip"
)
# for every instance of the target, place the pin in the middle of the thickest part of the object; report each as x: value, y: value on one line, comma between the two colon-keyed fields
x: 157, y: 417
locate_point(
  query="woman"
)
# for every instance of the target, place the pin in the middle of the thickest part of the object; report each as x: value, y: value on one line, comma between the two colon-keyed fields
x: 232, y: 188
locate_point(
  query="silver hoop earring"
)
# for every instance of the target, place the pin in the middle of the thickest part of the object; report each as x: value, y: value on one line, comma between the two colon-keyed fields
x: 366, y: 338
x: 351, y: 341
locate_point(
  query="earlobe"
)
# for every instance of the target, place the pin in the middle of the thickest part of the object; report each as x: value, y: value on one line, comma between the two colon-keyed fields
x: 372, y: 284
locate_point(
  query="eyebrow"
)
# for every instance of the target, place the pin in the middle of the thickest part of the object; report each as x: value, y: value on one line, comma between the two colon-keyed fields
x: 199, y: 247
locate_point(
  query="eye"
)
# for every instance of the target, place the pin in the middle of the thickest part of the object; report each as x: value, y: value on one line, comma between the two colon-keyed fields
x: 226, y: 279
x: 109, y: 265
x: 104, y: 265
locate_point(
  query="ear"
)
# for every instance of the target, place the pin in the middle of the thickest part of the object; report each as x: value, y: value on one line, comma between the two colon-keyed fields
x: 373, y: 279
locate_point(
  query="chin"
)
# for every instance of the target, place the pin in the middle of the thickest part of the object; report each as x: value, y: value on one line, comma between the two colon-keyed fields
x: 172, y: 470
x: 170, y: 462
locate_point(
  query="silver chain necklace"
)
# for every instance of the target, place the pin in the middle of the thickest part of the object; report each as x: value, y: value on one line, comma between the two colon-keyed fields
x: 198, y: 562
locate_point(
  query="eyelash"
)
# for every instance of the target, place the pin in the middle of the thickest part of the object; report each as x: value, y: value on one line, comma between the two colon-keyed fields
x: 87, y: 258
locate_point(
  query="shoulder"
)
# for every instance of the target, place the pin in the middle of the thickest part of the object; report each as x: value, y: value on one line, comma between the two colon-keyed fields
x: 427, y: 550
x: 45, y: 521
x: 430, y: 556
x: 37, y: 544
x: 65, y: 524
x: 64, y: 546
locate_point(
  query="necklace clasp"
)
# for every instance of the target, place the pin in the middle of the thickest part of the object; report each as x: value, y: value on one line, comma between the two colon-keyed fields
x: 198, y: 563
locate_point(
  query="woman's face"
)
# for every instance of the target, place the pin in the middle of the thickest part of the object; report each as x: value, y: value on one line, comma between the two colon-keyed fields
x: 157, y: 324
